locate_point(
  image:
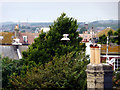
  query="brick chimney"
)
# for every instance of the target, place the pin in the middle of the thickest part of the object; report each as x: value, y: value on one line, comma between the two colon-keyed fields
x: 95, y: 54
x: 99, y: 75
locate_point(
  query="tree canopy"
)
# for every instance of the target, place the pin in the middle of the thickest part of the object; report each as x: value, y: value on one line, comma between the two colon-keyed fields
x: 49, y: 44
x: 117, y: 39
x: 83, y: 29
x: 103, y: 38
x: 68, y: 71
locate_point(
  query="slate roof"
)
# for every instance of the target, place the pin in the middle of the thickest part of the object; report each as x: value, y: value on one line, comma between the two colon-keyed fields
x: 11, y: 51
x: 6, y: 47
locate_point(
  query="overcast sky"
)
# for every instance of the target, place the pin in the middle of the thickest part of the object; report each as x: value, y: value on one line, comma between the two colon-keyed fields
x: 49, y: 11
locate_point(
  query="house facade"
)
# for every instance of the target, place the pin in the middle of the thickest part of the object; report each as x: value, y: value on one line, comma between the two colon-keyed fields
x: 87, y: 36
x: 13, y: 43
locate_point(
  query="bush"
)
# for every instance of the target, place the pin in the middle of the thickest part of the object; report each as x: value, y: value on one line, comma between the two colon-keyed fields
x: 48, y: 45
x: 64, y: 72
x: 16, y: 67
x: 116, y: 80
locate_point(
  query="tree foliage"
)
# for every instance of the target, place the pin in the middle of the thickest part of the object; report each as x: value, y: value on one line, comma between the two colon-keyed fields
x: 116, y: 80
x: 117, y: 39
x: 103, y: 38
x: 49, y: 44
x: 64, y: 72
x: 83, y: 29
x: 16, y: 67
x: 49, y: 62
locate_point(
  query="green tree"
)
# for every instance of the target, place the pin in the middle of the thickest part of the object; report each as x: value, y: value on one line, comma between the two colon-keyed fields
x: 102, y: 39
x: 7, y: 69
x: 49, y: 44
x: 83, y: 29
x: 67, y: 71
x: 110, y: 33
x: 117, y: 39
x: 14, y: 67
x: 116, y: 79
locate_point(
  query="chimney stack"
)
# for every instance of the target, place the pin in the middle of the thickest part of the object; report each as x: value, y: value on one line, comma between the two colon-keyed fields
x: 99, y: 75
x: 95, y: 54
x: 16, y: 31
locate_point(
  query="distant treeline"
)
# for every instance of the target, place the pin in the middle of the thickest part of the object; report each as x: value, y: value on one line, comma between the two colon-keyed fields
x: 102, y: 24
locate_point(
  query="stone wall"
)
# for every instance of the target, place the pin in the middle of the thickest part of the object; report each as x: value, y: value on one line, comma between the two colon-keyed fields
x: 99, y: 76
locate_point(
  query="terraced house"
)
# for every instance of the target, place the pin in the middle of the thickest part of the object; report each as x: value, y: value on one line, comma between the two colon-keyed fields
x: 13, y: 43
x: 113, y: 53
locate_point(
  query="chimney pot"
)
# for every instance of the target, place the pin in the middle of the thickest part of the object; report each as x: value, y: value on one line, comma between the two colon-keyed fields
x: 95, y: 54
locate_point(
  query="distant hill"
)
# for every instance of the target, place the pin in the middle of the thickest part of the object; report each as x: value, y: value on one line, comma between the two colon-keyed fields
x: 98, y: 25
x: 104, y: 24
x: 7, y: 23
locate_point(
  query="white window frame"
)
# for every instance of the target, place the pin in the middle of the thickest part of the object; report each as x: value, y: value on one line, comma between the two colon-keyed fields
x: 25, y: 38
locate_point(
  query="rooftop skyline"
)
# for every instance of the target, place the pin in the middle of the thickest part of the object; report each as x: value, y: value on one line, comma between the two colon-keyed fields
x: 49, y: 11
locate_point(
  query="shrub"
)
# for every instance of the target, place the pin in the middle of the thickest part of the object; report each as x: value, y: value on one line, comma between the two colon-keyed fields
x: 67, y: 71
x: 116, y: 80
x: 16, y: 67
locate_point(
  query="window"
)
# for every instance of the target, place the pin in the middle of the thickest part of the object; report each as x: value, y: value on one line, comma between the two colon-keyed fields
x: 25, y: 38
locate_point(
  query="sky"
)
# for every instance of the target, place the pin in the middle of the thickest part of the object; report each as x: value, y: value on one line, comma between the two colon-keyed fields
x: 33, y: 11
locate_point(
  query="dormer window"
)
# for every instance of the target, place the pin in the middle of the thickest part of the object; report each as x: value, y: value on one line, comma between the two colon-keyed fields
x: 25, y: 38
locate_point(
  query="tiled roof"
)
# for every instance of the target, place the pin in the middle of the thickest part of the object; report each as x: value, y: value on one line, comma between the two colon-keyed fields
x: 7, y: 37
x: 86, y: 36
x: 105, y: 31
x: 30, y: 37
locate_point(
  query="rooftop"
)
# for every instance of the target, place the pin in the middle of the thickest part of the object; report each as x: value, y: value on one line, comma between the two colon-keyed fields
x: 112, y: 49
x: 105, y: 31
x: 6, y: 37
